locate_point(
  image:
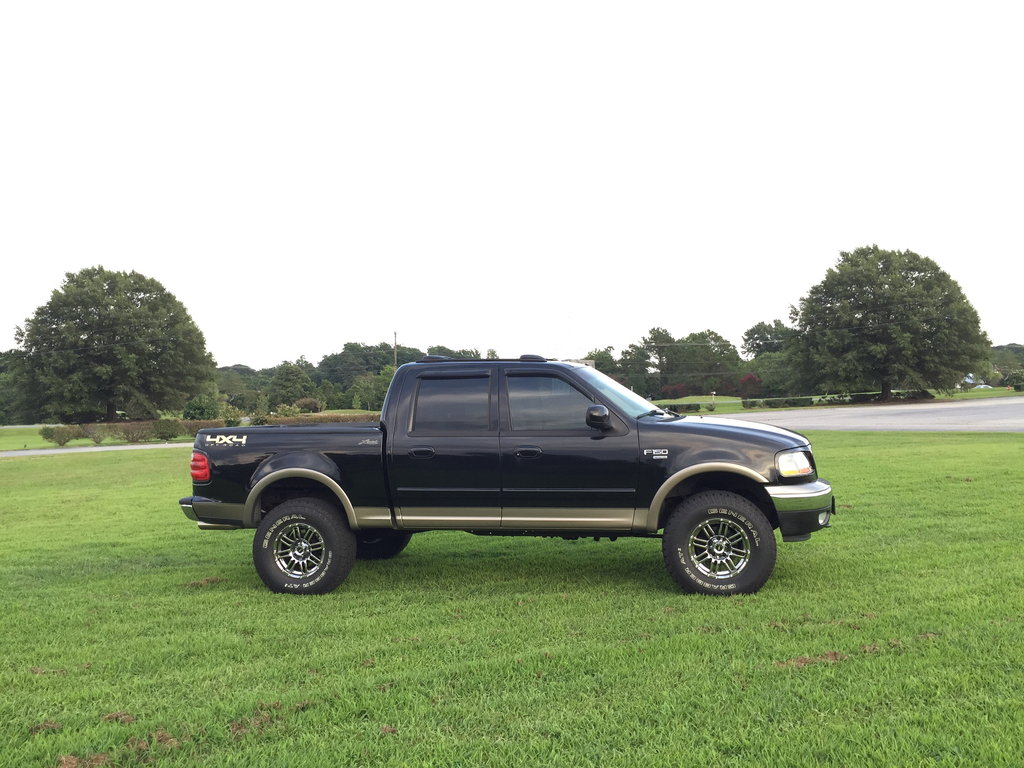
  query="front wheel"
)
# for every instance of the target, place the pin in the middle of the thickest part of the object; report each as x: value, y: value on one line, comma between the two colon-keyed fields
x: 303, y: 546
x: 719, y: 543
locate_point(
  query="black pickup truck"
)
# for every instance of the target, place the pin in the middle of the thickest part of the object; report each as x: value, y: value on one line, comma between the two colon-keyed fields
x: 511, y: 447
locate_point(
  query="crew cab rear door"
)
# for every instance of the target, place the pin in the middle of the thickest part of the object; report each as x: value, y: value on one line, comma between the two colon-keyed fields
x: 443, y: 450
x: 557, y: 472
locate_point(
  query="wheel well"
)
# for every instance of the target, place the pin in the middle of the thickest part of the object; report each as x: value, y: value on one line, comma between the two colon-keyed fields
x: 292, y: 488
x: 719, y: 481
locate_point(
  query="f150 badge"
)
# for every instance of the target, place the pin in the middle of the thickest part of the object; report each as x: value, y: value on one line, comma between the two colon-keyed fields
x: 656, y: 453
x: 228, y: 440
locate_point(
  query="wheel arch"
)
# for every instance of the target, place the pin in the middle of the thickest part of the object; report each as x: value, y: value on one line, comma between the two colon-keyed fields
x: 718, y: 476
x: 295, y: 482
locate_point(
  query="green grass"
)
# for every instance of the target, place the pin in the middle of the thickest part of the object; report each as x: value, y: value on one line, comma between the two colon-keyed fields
x: 893, y: 639
x: 19, y: 438
x: 22, y: 438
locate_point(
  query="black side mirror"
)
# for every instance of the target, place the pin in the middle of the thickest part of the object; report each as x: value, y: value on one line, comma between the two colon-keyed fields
x: 599, y: 417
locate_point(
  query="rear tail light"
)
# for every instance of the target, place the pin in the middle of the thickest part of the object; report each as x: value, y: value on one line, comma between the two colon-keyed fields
x: 200, y: 467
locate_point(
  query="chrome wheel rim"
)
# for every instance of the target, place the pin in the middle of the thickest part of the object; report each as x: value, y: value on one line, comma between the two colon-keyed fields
x: 719, y: 548
x: 299, y: 550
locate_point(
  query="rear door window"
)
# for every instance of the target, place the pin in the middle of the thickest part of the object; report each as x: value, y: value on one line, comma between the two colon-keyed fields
x: 453, y: 405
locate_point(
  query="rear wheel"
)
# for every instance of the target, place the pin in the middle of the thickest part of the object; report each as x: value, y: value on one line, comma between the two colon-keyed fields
x: 719, y: 543
x: 304, y: 546
x: 380, y: 544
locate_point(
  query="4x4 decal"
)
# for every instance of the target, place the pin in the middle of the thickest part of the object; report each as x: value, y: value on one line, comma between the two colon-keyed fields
x: 229, y: 440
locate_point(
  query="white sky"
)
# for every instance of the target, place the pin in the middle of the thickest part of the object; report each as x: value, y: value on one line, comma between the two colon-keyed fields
x: 542, y: 177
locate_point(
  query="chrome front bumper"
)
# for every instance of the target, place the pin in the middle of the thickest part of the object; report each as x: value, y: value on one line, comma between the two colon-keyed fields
x: 802, y: 509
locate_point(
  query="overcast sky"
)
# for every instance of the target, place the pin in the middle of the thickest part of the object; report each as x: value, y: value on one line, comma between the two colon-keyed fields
x: 532, y: 177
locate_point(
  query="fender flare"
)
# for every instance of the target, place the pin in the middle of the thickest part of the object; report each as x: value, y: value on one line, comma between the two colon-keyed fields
x: 670, y: 484
x: 307, y: 474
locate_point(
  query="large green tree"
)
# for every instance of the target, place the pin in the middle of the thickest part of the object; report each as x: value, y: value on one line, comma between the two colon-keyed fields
x: 707, y: 362
x: 882, y: 320
x: 290, y: 383
x: 109, y: 341
x: 764, y: 338
x: 356, y: 360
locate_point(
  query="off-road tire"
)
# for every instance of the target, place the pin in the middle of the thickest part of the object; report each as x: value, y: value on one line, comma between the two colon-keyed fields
x: 304, y: 547
x: 380, y: 544
x: 719, y: 543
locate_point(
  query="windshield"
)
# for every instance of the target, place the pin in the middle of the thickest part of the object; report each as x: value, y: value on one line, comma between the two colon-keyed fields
x: 625, y: 400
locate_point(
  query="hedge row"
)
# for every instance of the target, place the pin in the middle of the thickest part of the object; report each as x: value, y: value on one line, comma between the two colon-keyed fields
x: 171, y: 429
x: 688, y: 407
x: 780, y: 402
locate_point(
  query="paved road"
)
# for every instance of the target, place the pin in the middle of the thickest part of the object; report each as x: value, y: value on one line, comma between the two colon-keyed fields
x: 91, y: 449
x: 989, y: 415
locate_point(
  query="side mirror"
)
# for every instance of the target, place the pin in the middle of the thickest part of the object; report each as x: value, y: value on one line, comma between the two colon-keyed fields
x: 599, y: 417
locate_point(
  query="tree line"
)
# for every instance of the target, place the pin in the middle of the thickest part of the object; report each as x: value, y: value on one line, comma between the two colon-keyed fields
x: 113, y: 345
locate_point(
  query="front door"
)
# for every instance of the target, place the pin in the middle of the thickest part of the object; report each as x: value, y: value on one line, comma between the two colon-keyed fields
x: 558, y: 473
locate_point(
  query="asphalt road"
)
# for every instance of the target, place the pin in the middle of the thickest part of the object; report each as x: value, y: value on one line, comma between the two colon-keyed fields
x: 1004, y: 414
x: 91, y: 449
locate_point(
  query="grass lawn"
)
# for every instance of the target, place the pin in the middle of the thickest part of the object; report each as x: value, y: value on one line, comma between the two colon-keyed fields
x: 893, y: 639
x: 21, y: 438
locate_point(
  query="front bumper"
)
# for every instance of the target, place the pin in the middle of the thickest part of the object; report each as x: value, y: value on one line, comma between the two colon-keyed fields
x: 802, y: 509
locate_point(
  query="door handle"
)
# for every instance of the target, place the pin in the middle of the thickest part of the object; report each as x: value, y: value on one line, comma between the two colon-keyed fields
x: 528, y: 452
x: 422, y: 452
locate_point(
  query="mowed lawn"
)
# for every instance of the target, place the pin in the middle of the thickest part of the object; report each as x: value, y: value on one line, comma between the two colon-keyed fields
x: 894, y: 639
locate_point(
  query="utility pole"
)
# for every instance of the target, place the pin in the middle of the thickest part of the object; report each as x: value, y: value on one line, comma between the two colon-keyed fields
x: 396, y: 349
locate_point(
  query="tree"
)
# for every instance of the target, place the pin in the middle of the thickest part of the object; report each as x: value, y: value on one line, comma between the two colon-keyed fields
x: 763, y: 337
x: 9, y: 394
x: 1008, y: 357
x: 459, y: 354
x: 662, y: 348
x: 291, y: 382
x: 356, y: 360
x: 604, y: 360
x: 369, y: 390
x: 109, y: 341
x: 882, y: 320
x: 706, y: 362
x: 636, y: 371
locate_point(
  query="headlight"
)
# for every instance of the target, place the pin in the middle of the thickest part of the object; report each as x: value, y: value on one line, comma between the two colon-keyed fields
x: 794, y: 464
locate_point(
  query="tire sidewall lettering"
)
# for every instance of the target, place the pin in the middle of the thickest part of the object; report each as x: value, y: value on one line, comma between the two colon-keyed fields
x: 687, y: 522
x: 273, y: 529
x: 725, y: 511
x: 319, y: 515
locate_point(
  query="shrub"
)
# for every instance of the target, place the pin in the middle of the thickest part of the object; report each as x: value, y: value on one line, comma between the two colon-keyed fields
x: 232, y: 416
x: 835, y: 399
x: 96, y: 432
x: 797, y: 402
x: 201, y: 407
x: 61, y: 434
x: 1015, y: 379
x: 860, y: 398
x: 167, y: 429
x: 310, y: 404
x: 285, y: 410
x: 135, y: 431
x: 710, y: 406
x: 326, y: 418
x: 753, y: 404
